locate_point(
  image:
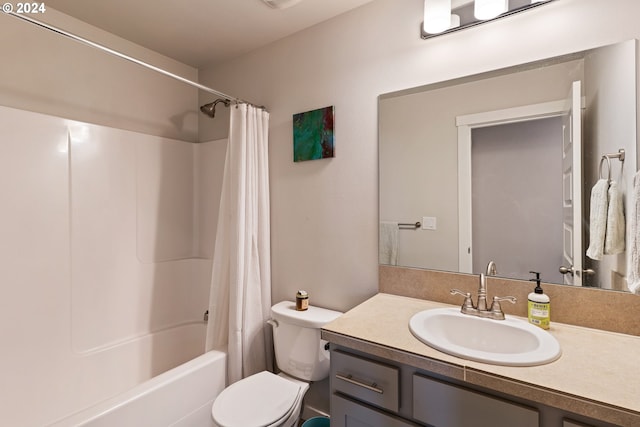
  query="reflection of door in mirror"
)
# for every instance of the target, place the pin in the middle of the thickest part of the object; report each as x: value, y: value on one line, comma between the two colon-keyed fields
x: 523, y: 215
x: 510, y: 167
x: 520, y: 234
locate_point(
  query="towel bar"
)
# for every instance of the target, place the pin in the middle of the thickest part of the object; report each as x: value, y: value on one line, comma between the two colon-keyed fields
x: 409, y: 226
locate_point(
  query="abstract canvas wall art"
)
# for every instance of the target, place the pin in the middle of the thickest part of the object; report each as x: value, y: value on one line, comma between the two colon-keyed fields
x: 313, y: 134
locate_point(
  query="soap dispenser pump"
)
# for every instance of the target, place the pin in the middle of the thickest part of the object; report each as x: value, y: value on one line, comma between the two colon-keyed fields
x: 539, y: 305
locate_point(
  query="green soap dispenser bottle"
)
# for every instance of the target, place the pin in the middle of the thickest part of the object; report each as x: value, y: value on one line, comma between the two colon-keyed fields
x: 539, y: 305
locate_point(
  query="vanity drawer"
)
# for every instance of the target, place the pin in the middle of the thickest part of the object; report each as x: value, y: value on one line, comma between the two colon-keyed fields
x: 365, y: 380
x: 444, y: 405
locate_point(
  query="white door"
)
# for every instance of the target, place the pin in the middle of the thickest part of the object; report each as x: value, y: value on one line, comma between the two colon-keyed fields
x: 571, y: 188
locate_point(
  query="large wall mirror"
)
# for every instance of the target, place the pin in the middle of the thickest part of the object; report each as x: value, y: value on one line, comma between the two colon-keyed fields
x: 501, y: 167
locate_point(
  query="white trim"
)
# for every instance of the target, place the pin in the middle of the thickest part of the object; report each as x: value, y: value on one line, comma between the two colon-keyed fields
x: 514, y: 114
x: 575, y: 119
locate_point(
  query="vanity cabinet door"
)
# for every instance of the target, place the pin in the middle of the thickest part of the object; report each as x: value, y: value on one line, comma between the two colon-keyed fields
x: 350, y: 413
x: 443, y: 405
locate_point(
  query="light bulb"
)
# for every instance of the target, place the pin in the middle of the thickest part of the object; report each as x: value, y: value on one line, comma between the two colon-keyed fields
x: 437, y: 16
x: 455, y: 21
x: 489, y: 9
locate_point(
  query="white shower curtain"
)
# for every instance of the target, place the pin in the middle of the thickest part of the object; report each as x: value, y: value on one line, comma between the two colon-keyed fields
x: 240, y: 298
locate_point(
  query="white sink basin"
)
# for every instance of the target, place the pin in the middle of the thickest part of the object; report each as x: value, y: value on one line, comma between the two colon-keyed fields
x: 509, y: 342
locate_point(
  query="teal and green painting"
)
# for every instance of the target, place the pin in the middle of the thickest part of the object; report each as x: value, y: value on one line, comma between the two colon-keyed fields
x: 313, y: 136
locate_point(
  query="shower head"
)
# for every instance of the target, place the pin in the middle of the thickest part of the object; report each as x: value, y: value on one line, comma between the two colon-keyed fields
x: 210, y: 108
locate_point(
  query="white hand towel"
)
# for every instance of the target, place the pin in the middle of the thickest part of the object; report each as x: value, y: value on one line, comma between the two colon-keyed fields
x: 598, y: 219
x: 388, y: 243
x: 633, y: 275
x: 614, y: 239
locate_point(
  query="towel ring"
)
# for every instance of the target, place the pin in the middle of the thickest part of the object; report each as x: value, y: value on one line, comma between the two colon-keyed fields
x: 620, y: 155
x: 608, y: 168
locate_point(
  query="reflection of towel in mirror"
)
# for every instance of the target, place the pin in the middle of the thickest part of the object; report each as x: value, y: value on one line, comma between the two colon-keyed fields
x: 388, y: 243
x: 614, y: 238
x: 598, y: 219
x: 633, y: 275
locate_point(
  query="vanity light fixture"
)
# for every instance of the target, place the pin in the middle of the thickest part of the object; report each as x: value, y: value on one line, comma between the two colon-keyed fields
x: 446, y: 16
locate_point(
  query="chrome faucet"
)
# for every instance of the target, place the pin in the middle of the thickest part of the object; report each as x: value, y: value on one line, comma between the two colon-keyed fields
x: 480, y: 308
x: 482, y: 294
x: 492, y: 270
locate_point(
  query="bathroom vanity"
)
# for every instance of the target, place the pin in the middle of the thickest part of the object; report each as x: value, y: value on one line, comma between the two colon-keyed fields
x: 381, y: 375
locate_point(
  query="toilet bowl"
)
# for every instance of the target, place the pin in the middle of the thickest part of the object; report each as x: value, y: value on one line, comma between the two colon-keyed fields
x: 269, y: 400
x: 263, y: 399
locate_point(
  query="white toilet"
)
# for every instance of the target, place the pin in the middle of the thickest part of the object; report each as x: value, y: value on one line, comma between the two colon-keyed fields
x: 265, y: 399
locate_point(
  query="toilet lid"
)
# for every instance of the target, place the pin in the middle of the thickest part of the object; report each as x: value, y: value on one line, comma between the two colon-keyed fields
x: 259, y: 400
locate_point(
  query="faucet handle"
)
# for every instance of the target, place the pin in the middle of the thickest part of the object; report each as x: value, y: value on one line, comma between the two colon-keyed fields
x: 496, y: 310
x: 512, y: 300
x: 467, y: 298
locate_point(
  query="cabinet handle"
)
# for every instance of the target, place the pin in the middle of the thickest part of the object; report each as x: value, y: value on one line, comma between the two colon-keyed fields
x: 349, y: 378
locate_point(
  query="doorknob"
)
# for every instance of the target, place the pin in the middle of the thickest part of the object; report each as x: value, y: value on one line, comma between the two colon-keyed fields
x: 566, y: 270
x: 571, y: 271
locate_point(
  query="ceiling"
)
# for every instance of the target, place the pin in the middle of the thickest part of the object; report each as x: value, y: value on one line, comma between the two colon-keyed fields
x: 201, y: 32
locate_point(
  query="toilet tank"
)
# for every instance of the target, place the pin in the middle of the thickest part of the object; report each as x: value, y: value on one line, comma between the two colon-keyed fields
x: 296, y: 339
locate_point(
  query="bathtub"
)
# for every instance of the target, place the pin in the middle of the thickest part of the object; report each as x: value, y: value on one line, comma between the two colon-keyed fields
x: 180, y: 397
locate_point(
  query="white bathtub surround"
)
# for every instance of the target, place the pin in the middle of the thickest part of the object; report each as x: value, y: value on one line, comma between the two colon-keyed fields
x: 240, y: 297
x: 103, y: 261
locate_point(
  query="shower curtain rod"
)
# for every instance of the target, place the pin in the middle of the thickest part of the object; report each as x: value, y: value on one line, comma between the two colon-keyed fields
x: 129, y: 58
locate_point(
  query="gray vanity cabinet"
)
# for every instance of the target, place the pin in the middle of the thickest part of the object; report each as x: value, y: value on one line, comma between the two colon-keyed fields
x: 347, y: 412
x: 365, y: 392
x: 440, y: 404
x: 370, y: 392
x: 370, y: 381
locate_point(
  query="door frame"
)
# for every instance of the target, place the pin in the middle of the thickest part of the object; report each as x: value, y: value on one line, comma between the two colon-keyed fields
x: 465, y: 124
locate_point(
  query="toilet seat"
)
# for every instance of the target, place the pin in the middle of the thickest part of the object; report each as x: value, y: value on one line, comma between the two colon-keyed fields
x: 260, y: 400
